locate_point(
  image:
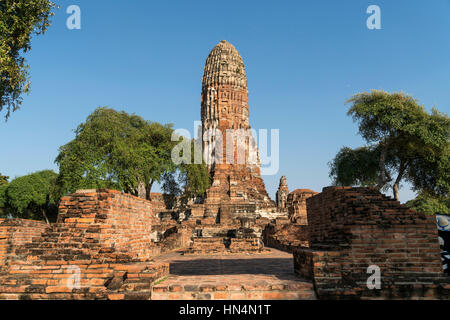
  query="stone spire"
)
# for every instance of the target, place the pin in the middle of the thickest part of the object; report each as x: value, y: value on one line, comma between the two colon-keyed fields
x: 224, y: 99
x: 224, y: 107
x: 282, y: 193
x: 224, y: 66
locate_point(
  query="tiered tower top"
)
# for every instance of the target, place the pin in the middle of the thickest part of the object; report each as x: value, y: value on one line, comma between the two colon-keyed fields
x: 224, y: 66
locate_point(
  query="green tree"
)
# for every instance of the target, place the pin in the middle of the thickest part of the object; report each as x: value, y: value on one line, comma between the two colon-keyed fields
x: 194, y: 178
x: 430, y: 204
x: 3, y: 203
x: 190, y: 181
x: 3, y: 179
x: 171, y: 189
x: 116, y: 150
x: 430, y: 170
x: 355, y: 167
x: 3, y: 185
x: 19, y: 20
x: 408, y: 143
x: 34, y: 196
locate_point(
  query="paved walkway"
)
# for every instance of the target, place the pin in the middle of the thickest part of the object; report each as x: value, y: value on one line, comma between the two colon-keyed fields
x: 232, y: 276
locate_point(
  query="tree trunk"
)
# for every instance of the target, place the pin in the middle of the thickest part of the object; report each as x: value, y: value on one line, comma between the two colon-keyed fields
x: 396, y: 185
x: 148, y: 189
x: 382, y: 177
x: 140, y: 191
x: 45, y: 216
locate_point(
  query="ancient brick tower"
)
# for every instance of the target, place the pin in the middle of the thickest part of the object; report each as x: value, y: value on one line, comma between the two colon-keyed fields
x: 282, y: 193
x: 224, y: 106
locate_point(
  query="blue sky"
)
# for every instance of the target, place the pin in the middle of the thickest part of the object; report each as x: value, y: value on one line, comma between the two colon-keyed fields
x: 303, y: 60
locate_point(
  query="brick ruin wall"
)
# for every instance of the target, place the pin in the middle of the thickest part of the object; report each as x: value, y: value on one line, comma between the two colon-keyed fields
x: 247, y: 245
x: 170, y: 236
x: 290, y: 232
x: 14, y: 233
x: 108, y: 238
x: 158, y: 203
x: 207, y: 245
x: 212, y: 238
x: 118, y: 222
x: 100, y: 248
x: 221, y: 245
x: 285, y: 236
x: 351, y: 229
x: 220, y: 234
x: 296, y: 205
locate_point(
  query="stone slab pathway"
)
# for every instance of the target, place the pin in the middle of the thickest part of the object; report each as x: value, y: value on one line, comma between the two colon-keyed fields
x: 231, y: 276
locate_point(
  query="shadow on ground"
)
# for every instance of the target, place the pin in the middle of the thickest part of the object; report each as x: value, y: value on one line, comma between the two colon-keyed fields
x: 281, y: 268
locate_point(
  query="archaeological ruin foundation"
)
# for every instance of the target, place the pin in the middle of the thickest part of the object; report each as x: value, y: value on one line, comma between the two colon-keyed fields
x: 235, y: 244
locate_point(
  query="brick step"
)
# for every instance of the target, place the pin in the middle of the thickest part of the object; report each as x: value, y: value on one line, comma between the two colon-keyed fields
x: 52, y: 242
x: 175, y: 288
x: 98, y: 281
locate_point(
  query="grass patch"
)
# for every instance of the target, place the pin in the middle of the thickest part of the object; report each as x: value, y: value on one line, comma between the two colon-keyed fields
x: 160, y: 280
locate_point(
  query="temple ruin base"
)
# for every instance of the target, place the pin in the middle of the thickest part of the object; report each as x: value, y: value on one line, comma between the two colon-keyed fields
x: 109, y: 245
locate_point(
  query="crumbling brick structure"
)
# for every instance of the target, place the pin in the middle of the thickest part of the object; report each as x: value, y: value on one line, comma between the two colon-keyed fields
x: 224, y: 106
x: 99, y: 248
x: 237, y: 189
x: 207, y: 245
x: 285, y: 236
x: 351, y: 229
x: 247, y: 245
x: 282, y: 194
x: 14, y: 233
x: 296, y: 204
x: 158, y: 204
x: 288, y: 234
x: 241, y: 235
x: 222, y: 245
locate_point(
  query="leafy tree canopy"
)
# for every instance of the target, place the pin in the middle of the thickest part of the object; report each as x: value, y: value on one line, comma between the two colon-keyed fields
x: 188, y: 182
x: 33, y: 196
x: 194, y: 178
x: 430, y: 205
x: 3, y: 185
x: 408, y: 143
x: 116, y: 150
x: 19, y: 20
x: 3, y: 179
x: 3, y: 209
x: 429, y: 171
x: 355, y: 167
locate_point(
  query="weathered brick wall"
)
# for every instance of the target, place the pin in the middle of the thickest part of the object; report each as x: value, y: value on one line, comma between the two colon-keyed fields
x: 102, y: 238
x: 296, y: 205
x: 172, y: 237
x: 212, y: 245
x: 285, y: 237
x: 247, y: 245
x: 80, y: 280
x: 207, y: 245
x: 158, y: 204
x: 351, y: 229
x: 16, y: 232
x: 118, y: 221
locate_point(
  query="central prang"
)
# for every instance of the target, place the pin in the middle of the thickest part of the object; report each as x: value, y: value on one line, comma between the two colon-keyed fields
x: 235, y: 170
x: 237, y: 213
